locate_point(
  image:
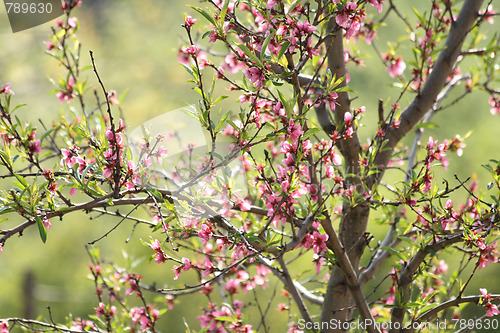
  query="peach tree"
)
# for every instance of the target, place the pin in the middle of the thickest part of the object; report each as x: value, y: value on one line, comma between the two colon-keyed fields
x: 281, y: 185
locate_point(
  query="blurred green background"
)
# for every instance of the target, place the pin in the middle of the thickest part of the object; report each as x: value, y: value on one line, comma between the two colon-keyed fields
x: 135, y: 45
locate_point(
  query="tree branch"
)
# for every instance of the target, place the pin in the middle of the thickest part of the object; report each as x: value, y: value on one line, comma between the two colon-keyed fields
x: 293, y: 290
x: 28, y: 322
x: 432, y: 313
x: 350, y: 276
x: 408, y: 272
x: 380, y: 256
x: 432, y: 87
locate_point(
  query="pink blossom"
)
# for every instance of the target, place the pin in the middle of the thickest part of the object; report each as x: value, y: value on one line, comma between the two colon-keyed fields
x: 310, y: 50
x: 46, y: 222
x: 396, y: 67
x: 271, y: 4
x: 232, y: 286
x: 206, y: 289
x: 244, y: 205
x: 331, y: 99
x: 486, y: 296
x: 330, y: 171
x: 441, y: 268
x: 160, y: 257
x: 189, y: 21
x: 337, y: 159
x: 82, y: 165
x: 66, y: 94
x: 182, y: 57
x: 255, y: 75
x: 162, y: 151
x: 205, y: 233
x: 191, y: 50
x: 350, y: 19
x: 131, y: 167
x: 495, y: 104
x: 108, y: 170
x: 112, y: 136
x: 208, y: 268
x: 186, y: 264
x: 140, y: 316
x: 231, y: 64
x: 4, y: 325
x: 113, y: 98
x: 431, y: 143
x: 35, y: 147
x: 343, y: 16
x: 488, y: 14
x: 214, y: 37
x: 288, y: 161
x: 177, y: 271
x: 348, y: 119
x: 100, y: 310
x: 1, y: 247
x: 5, y: 89
x: 318, y: 261
x: 449, y: 204
x: 377, y: 4
x: 155, y: 245
x: 306, y: 28
x: 67, y: 4
x: 283, y: 307
x: 146, y: 162
x: 263, y: 270
x: 72, y: 21
x: 294, y: 130
x: 70, y: 156
x: 488, y: 254
x: 319, y: 245
x: 169, y: 299
x: 491, y: 310
x: 389, y: 300
x: 349, y: 132
x: 396, y: 124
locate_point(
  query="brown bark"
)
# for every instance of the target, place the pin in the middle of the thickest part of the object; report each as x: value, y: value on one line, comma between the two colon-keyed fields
x: 338, y: 301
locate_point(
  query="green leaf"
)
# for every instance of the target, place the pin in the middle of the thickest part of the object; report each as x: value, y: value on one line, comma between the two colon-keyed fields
x: 21, y: 180
x: 47, y: 133
x: 410, y: 241
x: 84, y: 173
x: 222, y: 121
x: 6, y: 156
x: 225, y: 318
x: 265, y: 44
x: 224, y: 12
x: 192, y: 113
x: 348, y: 89
x: 310, y: 132
x: 205, y: 14
x: 249, y: 53
x: 394, y: 252
x: 188, y: 69
x: 154, y: 192
x: 41, y: 229
x: 284, y: 48
x: 426, y: 125
x: 292, y: 7
x: 123, y: 95
x: 221, y: 98
x: 17, y: 107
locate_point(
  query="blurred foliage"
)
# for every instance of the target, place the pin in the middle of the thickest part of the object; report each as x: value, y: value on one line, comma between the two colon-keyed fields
x: 135, y: 44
